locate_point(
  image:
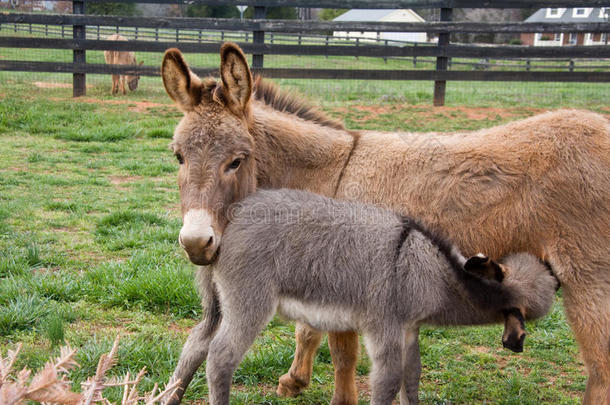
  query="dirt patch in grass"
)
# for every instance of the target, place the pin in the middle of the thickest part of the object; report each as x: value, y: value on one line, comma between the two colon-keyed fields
x: 118, y: 180
x: 263, y: 389
x: 137, y: 106
x: 174, y: 327
x: 102, y: 326
x: 50, y: 85
x: 481, y: 349
x: 132, y: 105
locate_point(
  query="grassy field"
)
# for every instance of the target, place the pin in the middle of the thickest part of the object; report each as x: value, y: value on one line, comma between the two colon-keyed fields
x: 89, y: 218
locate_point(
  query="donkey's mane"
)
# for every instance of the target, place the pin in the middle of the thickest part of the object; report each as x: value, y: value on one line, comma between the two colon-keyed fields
x: 273, y: 96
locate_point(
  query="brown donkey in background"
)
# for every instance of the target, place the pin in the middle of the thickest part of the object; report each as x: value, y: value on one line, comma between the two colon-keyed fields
x: 539, y: 185
x: 121, y: 58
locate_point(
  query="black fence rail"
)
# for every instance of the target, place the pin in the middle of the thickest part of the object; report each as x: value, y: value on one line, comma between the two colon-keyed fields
x: 79, y: 33
x: 177, y: 37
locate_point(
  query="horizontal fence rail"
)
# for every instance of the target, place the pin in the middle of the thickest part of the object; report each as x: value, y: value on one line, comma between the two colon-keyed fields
x: 365, y: 4
x: 80, y: 33
x: 300, y: 26
x: 470, y: 51
x: 295, y: 73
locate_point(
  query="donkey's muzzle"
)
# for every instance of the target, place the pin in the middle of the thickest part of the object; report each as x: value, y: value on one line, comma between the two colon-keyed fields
x: 514, y: 342
x: 200, y: 250
x: 197, y: 237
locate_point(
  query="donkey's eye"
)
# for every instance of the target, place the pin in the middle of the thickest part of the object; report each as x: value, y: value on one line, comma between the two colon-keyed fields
x: 180, y: 158
x: 234, y: 164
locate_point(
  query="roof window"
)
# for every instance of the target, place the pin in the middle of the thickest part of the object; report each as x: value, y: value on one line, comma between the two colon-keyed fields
x: 554, y: 12
x: 581, y: 12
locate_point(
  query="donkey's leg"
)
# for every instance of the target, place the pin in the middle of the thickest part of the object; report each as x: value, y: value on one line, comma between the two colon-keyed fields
x: 235, y: 335
x: 385, y: 350
x: 585, y: 280
x: 115, y: 84
x: 195, y: 349
x: 297, y: 378
x: 588, y: 310
x: 344, y: 352
x: 194, y: 352
x: 411, y: 366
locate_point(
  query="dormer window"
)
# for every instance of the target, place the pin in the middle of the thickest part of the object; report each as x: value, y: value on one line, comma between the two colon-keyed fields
x: 581, y: 12
x: 604, y: 12
x: 554, y: 12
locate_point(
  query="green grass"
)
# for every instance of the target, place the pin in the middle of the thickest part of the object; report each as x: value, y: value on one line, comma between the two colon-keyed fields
x: 89, y: 217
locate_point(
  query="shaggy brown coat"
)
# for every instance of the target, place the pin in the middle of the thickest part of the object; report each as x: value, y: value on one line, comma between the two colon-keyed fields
x: 540, y: 185
x: 121, y: 58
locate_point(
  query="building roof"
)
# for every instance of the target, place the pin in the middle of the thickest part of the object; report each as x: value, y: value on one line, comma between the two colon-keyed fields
x: 567, y: 16
x: 369, y: 14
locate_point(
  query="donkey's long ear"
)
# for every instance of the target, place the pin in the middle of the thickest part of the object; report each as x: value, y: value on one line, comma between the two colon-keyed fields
x: 236, y: 78
x: 182, y: 85
x: 482, y: 266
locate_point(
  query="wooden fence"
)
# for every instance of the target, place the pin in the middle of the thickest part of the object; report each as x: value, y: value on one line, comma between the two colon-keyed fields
x: 442, y: 51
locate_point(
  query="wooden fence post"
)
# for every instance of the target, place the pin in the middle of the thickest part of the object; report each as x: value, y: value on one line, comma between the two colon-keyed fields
x: 79, y: 81
x: 415, y: 56
x: 258, y: 37
x: 385, y: 43
x: 441, y: 61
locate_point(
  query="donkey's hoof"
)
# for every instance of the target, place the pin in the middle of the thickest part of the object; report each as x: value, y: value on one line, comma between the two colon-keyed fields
x: 290, y: 386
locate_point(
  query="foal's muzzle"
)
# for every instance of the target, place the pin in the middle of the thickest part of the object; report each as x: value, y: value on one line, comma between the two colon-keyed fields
x: 514, y: 342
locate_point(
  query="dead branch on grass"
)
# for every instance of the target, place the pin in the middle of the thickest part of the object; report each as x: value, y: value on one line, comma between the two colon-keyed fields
x: 52, y: 386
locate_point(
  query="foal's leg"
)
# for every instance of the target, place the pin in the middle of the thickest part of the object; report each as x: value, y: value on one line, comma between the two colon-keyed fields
x: 297, y: 378
x: 411, y: 368
x: 385, y: 351
x: 194, y: 352
x: 123, y: 85
x: 195, y: 349
x: 344, y: 352
x: 235, y: 335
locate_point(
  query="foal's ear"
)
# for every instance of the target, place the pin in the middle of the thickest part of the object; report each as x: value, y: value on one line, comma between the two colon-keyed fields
x: 236, y: 78
x: 182, y: 85
x: 482, y: 266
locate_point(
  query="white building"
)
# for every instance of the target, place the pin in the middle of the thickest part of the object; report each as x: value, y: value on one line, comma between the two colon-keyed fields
x: 374, y: 15
x: 568, y: 15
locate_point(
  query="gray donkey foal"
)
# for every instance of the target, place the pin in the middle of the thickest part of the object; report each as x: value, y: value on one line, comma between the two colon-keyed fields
x: 341, y: 266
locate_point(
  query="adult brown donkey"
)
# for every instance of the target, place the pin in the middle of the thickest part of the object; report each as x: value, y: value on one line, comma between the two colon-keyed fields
x: 540, y: 185
x: 122, y: 58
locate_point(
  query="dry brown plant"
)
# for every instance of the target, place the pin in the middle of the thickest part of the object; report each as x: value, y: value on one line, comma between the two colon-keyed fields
x: 52, y: 386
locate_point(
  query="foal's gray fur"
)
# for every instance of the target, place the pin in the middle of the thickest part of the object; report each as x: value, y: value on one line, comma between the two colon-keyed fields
x: 346, y: 266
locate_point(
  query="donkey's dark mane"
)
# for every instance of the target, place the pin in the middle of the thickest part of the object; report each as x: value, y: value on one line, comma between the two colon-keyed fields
x: 486, y: 293
x: 273, y: 96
